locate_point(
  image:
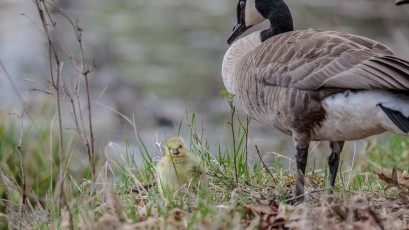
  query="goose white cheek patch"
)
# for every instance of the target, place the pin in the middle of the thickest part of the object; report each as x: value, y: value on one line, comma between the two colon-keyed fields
x: 253, y: 17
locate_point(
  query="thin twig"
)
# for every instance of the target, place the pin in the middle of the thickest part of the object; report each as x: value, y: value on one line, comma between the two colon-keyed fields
x: 248, y: 119
x: 20, y: 98
x: 92, y: 161
x: 376, y: 217
x: 221, y: 179
x: 264, y: 165
x: 23, y: 175
x: 197, y: 143
x: 233, y: 111
x: 246, y: 132
x: 85, y: 72
x: 56, y: 83
x: 305, y: 194
x: 285, y: 157
x: 69, y: 212
x: 352, y: 165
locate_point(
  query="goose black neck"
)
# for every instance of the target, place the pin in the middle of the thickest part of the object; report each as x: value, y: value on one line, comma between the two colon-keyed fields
x: 279, y: 16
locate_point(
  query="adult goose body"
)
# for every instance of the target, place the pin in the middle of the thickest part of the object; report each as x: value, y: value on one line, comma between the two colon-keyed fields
x: 314, y: 84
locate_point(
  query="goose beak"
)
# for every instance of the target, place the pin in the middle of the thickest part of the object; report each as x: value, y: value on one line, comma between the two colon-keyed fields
x: 175, y: 152
x: 238, y: 30
x: 401, y: 2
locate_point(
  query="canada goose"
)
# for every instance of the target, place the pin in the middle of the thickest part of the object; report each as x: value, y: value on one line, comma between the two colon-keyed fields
x: 179, y: 167
x: 401, y: 2
x: 314, y: 85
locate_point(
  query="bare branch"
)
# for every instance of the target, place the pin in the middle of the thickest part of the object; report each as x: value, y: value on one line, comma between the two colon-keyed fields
x: 246, y: 131
x: 232, y: 113
x: 264, y: 165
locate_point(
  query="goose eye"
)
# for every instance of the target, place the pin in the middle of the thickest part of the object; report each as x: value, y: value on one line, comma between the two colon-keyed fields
x: 242, y: 4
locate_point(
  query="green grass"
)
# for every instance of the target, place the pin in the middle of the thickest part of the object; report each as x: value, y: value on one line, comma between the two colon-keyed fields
x: 240, y: 194
x: 391, y: 153
x: 223, y: 204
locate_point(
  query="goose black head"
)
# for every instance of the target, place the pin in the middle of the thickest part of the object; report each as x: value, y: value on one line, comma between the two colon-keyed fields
x: 253, y: 12
x: 247, y: 16
x: 401, y: 2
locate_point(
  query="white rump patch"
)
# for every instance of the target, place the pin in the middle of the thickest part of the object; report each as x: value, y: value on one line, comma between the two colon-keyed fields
x: 356, y: 115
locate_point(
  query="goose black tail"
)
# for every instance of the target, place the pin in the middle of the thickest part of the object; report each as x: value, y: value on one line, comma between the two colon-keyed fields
x: 397, y: 118
x: 401, y: 2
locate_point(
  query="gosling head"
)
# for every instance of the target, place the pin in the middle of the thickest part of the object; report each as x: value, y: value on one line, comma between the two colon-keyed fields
x: 175, y: 147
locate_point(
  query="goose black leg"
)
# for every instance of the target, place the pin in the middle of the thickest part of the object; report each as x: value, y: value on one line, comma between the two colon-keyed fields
x: 333, y: 163
x: 302, y: 143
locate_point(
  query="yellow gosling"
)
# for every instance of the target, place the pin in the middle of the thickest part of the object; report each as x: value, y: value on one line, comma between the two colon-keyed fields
x: 180, y: 168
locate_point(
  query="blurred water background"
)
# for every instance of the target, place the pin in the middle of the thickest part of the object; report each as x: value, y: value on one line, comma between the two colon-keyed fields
x: 160, y: 59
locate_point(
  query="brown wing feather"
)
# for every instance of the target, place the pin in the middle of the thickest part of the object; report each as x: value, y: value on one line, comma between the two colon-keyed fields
x: 312, y: 59
x: 369, y: 43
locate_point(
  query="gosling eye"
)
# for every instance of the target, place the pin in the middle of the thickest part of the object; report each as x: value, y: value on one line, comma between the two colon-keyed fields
x: 180, y: 146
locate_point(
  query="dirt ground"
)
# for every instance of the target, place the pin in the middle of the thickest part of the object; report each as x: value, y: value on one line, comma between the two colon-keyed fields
x: 327, y: 212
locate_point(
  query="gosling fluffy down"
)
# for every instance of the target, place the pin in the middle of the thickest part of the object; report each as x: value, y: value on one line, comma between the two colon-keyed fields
x: 180, y: 168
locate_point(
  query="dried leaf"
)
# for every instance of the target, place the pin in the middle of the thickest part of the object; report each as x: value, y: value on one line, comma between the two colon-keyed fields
x: 65, y: 219
x: 368, y: 224
x: 4, y: 220
x: 341, y: 211
x: 116, y: 206
x: 138, y: 189
x: 108, y: 222
x: 178, y: 214
x: 393, y: 181
x: 268, y: 213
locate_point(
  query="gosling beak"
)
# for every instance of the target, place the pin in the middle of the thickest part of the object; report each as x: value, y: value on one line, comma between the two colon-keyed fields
x: 401, y: 2
x: 175, y: 152
x: 238, y: 30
